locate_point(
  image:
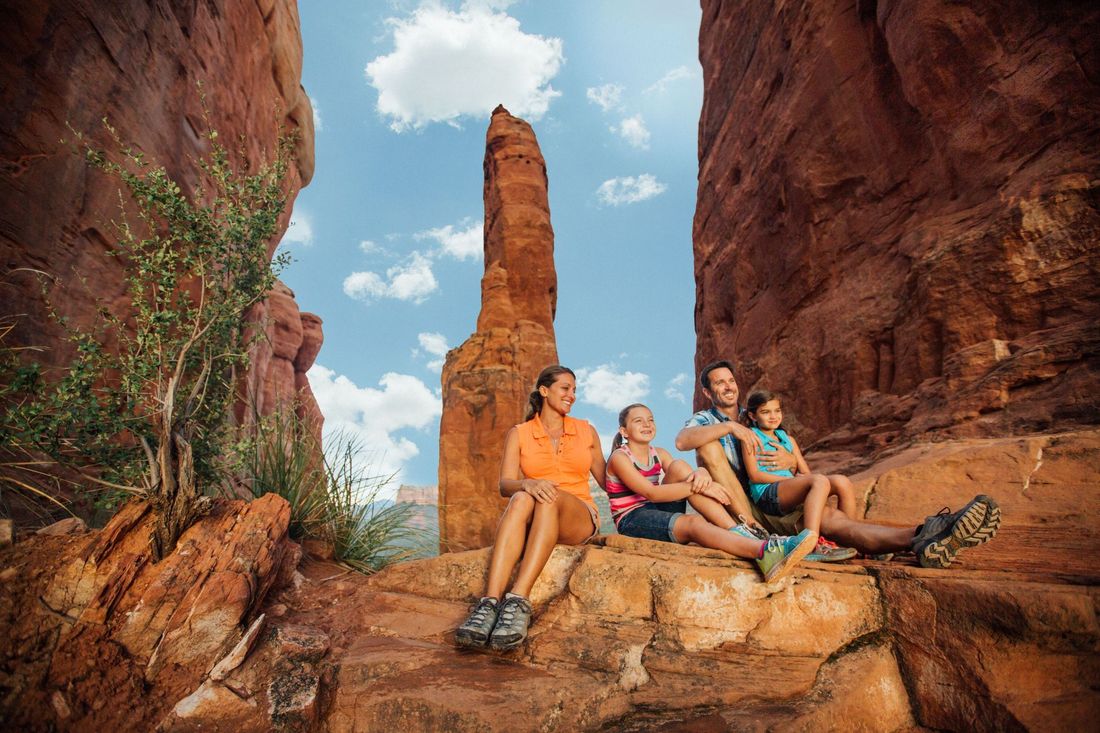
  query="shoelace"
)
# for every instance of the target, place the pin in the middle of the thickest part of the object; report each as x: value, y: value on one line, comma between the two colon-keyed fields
x: 481, y: 611
x: 827, y: 545
x: 508, y: 610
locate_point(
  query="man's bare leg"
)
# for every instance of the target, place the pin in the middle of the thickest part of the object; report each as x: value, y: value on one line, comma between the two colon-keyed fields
x: 711, y: 457
x: 868, y: 538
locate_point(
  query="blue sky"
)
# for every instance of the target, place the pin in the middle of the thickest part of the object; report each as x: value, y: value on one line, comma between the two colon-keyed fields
x: 387, y: 237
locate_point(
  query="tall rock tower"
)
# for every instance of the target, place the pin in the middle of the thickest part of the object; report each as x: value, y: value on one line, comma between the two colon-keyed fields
x: 486, y: 380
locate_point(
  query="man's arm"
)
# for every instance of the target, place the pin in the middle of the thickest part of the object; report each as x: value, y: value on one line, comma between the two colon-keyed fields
x: 694, y: 436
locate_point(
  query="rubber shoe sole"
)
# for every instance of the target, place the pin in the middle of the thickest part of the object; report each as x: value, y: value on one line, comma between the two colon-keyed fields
x: 783, y: 568
x: 470, y: 640
x: 838, y: 554
x: 977, y: 525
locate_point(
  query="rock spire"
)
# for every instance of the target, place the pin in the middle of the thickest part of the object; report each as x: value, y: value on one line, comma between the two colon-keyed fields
x: 486, y: 380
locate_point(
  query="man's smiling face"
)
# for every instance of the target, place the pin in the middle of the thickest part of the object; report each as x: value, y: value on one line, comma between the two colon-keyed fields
x: 723, y: 391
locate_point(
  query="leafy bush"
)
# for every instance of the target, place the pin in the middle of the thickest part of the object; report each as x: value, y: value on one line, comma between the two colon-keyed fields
x: 151, y: 413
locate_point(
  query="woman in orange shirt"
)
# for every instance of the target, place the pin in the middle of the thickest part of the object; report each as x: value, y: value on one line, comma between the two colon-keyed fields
x: 545, y: 469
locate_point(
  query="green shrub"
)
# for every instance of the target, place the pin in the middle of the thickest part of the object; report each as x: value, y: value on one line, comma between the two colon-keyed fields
x: 335, y: 500
x: 152, y: 414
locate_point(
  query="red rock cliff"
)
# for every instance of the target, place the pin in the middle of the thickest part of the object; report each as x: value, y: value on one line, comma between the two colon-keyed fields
x: 73, y: 63
x: 486, y: 380
x: 897, y: 213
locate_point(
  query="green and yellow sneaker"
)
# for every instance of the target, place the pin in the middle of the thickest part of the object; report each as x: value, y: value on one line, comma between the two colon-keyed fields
x: 781, y: 554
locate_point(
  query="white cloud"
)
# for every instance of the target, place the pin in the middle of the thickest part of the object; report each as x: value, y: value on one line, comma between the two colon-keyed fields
x: 449, y: 64
x: 662, y: 84
x: 368, y: 246
x: 634, y: 131
x: 674, y: 391
x: 413, y: 281
x: 462, y: 244
x: 318, y: 123
x: 300, y: 230
x: 629, y: 189
x: 436, y: 345
x: 608, y: 96
x: 610, y: 389
x: 373, y: 416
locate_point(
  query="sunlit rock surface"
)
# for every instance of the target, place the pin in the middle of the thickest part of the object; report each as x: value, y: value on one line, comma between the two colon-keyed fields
x: 897, y: 214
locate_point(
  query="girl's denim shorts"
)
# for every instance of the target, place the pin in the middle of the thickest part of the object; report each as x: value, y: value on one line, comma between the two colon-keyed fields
x: 650, y: 523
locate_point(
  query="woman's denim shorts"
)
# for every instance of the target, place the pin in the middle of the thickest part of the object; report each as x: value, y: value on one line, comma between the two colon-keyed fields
x: 650, y: 523
x: 769, y: 500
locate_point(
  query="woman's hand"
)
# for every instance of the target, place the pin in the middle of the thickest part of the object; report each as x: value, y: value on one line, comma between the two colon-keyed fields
x: 543, y: 491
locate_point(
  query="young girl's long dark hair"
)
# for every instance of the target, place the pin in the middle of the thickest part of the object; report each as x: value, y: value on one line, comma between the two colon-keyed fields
x: 623, y: 415
x: 756, y: 400
x: 547, y: 376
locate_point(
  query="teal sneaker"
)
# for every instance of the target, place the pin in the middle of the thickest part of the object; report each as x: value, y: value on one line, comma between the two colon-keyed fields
x: 829, y: 551
x: 946, y: 534
x: 753, y: 533
x: 781, y: 554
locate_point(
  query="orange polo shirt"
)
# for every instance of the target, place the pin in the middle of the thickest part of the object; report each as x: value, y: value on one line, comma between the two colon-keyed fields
x: 569, y: 466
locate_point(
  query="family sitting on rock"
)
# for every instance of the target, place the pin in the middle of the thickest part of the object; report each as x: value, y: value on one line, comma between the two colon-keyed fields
x: 548, y: 459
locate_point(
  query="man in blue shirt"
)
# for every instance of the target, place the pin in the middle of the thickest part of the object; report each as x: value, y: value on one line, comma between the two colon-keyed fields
x: 714, y: 434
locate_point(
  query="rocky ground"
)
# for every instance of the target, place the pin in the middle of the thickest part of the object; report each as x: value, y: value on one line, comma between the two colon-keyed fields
x: 628, y: 635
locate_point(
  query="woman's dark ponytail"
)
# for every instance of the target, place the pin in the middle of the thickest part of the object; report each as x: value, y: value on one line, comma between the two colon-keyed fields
x: 547, y: 376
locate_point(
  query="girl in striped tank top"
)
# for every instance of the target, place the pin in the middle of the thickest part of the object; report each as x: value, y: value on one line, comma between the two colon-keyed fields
x: 648, y: 492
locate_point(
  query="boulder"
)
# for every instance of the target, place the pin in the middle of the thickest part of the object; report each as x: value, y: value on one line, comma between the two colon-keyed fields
x: 92, y: 617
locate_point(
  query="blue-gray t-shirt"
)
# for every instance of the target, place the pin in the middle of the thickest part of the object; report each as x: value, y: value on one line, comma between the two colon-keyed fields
x: 712, y: 416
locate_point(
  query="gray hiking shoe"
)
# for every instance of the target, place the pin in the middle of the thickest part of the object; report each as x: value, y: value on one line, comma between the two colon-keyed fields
x: 829, y: 551
x: 511, y: 628
x: 946, y: 534
x: 475, y: 630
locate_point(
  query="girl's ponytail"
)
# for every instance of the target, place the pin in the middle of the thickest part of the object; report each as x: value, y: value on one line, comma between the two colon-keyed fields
x: 624, y: 413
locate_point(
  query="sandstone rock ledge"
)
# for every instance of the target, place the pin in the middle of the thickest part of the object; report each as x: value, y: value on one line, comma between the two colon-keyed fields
x: 637, y: 635
x: 629, y: 635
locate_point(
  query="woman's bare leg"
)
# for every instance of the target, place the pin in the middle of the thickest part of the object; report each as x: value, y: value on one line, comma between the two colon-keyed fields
x: 510, y: 540
x: 695, y: 529
x: 566, y: 520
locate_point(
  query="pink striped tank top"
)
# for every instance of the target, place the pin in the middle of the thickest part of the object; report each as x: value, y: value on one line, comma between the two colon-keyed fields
x: 621, y: 498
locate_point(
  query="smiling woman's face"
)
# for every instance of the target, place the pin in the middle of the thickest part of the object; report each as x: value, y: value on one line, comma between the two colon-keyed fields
x: 560, y: 395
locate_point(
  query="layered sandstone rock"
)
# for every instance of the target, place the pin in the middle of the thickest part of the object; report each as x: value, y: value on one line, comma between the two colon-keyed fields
x: 486, y: 380
x: 279, y: 360
x: 70, y: 64
x: 628, y: 634
x: 638, y: 635
x: 88, y: 620
x: 897, y: 213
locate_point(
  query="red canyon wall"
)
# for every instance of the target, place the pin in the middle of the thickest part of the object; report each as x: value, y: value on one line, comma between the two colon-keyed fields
x: 898, y: 213
x: 486, y: 380
x: 69, y: 64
